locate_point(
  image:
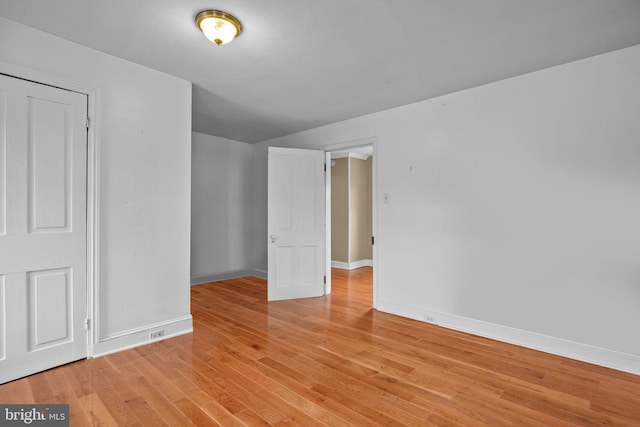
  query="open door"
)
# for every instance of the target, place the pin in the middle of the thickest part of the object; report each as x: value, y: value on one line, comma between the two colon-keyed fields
x: 296, y: 223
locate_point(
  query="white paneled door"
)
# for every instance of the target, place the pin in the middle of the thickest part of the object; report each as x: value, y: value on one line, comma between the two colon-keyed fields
x: 43, y: 295
x: 296, y: 221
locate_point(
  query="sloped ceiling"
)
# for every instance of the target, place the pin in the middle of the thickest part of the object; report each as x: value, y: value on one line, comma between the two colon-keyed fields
x: 300, y: 64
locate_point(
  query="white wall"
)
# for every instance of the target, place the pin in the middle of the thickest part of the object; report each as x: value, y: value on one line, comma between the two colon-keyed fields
x: 143, y: 121
x: 221, y: 207
x: 514, y: 208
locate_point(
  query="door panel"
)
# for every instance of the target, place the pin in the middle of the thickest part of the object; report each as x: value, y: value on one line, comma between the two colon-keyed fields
x: 296, y: 196
x: 50, y: 315
x: 3, y: 166
x: 49, y: 165
x: 43, y: 244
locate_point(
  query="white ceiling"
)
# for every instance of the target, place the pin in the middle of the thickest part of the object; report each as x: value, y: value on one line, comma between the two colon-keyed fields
x: 304, y: 63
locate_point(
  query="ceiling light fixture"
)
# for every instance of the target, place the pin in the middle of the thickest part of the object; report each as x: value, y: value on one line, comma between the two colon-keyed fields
x: 219, y: 27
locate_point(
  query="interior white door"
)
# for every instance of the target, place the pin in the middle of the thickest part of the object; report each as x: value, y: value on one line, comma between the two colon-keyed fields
x: 43, y: 296
x: 296, y: 217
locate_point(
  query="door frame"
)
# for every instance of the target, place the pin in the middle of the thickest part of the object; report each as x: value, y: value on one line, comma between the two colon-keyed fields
x: 93, y: 185
x: 373, y: 141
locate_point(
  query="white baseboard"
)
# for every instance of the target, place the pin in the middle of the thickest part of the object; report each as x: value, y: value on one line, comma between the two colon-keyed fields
x: 558, y: 346
x: 352, y: 265
x: 233, y: 274
x: 141, y: 336
x: 262, y: 274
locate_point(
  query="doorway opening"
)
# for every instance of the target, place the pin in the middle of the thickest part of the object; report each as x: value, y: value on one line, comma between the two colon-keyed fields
x: 351, y: 214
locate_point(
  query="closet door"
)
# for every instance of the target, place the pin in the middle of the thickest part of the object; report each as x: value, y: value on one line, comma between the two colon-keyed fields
x: 43, y: 253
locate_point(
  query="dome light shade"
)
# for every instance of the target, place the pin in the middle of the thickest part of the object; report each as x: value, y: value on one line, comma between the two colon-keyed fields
x: 219, y: 27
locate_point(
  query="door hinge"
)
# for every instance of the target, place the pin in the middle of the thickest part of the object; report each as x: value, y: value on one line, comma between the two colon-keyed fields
x: 325, y: 280
x: 88, y: 122
x: 373, y: 240
x: 325, y: 167
x: 87, y: 323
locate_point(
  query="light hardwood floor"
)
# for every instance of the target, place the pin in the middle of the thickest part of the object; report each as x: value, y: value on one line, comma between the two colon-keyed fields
x: 328, y: 361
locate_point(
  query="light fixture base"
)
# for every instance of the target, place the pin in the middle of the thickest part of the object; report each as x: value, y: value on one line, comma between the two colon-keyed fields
x: 219, y: 27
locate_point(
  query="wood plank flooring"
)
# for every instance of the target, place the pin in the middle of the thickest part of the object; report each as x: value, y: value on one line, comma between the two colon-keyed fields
x: 330, y: 361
